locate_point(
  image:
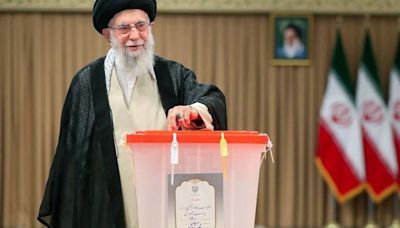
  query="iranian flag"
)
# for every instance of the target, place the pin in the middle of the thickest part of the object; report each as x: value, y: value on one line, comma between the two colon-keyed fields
x: 340, y: 157
x: 379, y: 152
x: 394, y: 104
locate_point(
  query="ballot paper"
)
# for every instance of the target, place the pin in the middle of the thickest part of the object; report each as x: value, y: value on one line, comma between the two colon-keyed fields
x: 196, y: 201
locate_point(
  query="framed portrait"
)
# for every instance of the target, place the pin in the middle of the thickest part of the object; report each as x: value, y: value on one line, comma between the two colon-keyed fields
x: 291, y: 39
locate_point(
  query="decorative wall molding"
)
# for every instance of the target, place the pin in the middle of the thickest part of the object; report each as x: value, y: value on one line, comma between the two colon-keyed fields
x: 221, y: 6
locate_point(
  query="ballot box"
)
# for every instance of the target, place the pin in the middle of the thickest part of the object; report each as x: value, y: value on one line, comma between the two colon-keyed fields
x: 197, y: 178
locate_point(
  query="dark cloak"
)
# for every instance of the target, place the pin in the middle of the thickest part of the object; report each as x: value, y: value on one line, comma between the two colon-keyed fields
x: 83, y: 188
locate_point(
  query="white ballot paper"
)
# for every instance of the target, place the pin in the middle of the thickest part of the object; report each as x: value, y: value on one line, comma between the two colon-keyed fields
x: 195, y: 204
x: 196, y: 201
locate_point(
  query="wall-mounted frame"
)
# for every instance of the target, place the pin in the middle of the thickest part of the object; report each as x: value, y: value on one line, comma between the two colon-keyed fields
x: 291, y: 39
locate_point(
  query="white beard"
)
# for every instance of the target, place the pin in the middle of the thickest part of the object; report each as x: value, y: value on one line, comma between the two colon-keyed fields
x: 134, y: 63
x: 292, y: 50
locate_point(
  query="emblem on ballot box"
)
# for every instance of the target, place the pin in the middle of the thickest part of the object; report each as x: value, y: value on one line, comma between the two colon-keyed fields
x: 195, y: 188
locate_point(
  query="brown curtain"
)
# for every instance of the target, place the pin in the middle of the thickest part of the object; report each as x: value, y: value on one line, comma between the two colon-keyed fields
x: 40, y: 52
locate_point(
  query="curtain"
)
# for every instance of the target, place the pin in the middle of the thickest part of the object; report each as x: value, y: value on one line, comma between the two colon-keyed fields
x: 40, y: 52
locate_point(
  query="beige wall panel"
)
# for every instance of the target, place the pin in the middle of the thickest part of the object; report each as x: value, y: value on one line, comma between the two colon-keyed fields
x: 42, y: 51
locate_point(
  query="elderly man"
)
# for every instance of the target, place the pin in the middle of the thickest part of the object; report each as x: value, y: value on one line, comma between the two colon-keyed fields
x: 91, y: 181
x: 292, y: 47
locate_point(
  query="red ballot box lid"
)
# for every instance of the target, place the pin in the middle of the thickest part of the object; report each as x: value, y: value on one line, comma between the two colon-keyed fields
x: 249, y: 137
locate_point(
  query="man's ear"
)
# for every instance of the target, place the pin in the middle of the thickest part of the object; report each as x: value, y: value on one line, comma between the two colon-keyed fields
x: 106, y: 34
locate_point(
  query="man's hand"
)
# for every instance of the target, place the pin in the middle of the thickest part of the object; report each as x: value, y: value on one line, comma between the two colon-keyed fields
x: 181, y: 117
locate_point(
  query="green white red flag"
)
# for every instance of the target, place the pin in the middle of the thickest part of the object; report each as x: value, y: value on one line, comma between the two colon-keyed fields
x: 340, y: 157
x: 394, y: 105
x: 379, y: 152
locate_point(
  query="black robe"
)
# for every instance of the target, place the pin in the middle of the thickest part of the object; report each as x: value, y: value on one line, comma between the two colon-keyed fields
x: 84, y: 188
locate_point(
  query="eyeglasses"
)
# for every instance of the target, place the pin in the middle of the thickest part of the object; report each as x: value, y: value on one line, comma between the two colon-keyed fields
x: 140, y: 26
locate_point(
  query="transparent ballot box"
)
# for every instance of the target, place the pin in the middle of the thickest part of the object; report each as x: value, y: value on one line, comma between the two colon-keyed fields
x: 196, y: 178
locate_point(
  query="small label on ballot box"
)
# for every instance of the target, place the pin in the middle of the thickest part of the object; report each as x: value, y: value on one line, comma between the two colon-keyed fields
x: 195, y: 204
x: 195, y: 200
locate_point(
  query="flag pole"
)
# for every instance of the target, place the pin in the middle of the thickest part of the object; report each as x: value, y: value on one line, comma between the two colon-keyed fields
x: 395, y: 197
x: 371, y: 214
x: 396, y: 211
x: 333, y: 205
x: 331, y: 198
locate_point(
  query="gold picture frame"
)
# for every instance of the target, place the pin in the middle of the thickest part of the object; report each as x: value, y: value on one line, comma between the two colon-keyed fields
x: 292, y: 36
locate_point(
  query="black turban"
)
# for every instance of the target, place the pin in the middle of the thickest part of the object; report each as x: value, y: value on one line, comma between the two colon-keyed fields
x: 104, y: 10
